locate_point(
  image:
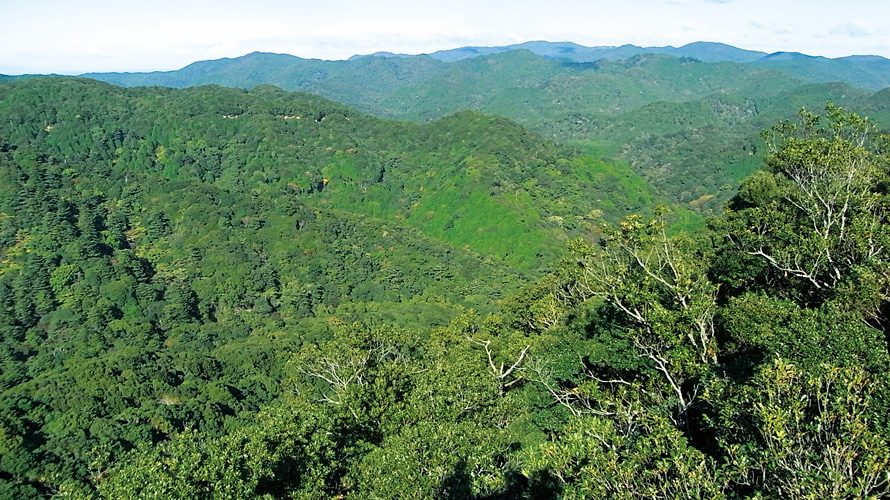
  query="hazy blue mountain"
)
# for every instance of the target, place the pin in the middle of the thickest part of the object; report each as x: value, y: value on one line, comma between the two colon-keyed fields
x: 864, y: 72
x: 704, y: 51
x: 379, y: 54
x: 876, y: 61
x: 713, y: 52
x: 12, y: 78
x: 365, y: 80
x: 789, y: 56
x: 359, y: 81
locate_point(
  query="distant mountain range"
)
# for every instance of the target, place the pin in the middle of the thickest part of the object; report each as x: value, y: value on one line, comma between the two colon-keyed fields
x: 295, y: 73
x: 703, y: 51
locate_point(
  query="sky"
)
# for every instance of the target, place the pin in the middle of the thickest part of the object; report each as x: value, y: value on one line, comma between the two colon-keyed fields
x: 79, y: 36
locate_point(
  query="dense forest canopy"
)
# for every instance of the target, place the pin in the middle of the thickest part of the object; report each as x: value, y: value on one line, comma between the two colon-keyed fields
x: 219, y: 293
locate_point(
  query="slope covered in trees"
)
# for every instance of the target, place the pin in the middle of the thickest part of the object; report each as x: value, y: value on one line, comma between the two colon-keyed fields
x: 672, y: 117
x: 697, y: 151
x: 277, y: 143
x: 421, y: 88
x: 213, y: 293
x: 165, y: 253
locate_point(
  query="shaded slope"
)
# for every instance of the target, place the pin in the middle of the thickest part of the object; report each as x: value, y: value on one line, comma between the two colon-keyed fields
x: 696, y: 152
x: 532, y: 89
x: 863, y: 72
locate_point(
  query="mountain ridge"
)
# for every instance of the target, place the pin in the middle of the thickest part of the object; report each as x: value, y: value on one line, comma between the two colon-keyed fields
x: 705, y: 51
x: 868, y: 72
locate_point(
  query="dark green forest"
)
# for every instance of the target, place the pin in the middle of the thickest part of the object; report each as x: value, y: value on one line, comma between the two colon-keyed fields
x: 229, y: 294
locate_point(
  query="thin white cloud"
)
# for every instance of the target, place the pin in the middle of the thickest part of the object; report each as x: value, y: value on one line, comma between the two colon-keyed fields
x: 849, y: 29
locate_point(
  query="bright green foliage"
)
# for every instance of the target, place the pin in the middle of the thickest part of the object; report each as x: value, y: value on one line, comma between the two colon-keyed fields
x: 435, y: 460
x: 189, y: 466
x: 762, y: 326
x: 808, y: 430
x: 816, y: 216
x: 659, y: 288
x: 371, y: 413
x: 795, y: 434
x: 135, y: 306
x: 598, y: 458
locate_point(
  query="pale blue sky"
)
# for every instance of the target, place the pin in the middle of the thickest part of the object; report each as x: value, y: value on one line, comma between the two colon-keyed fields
x: 77, y: 36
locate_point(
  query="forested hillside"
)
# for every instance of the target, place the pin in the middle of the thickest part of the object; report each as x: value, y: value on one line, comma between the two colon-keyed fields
x: 164, y: 254
x: 697, y: 151
x: 270, y: 142
x: 685, y: 119
x: 228, y: 294
x: 422, y: 88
